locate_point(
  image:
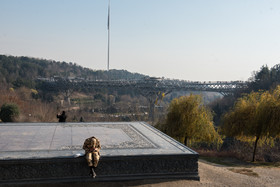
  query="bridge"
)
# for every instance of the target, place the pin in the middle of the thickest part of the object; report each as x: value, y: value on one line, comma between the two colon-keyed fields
x: 151, y: 84
x: 151, y: 87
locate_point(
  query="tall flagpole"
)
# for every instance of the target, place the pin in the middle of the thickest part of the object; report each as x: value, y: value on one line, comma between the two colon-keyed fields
x: 108, y: 27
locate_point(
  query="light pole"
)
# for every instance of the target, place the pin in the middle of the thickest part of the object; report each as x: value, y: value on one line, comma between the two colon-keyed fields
x: 108, y: 28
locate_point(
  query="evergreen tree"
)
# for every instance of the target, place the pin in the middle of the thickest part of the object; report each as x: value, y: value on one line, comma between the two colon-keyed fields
x: 9, y: 112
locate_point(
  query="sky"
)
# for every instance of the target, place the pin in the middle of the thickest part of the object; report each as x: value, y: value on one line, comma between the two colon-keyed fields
x: 196, y: 40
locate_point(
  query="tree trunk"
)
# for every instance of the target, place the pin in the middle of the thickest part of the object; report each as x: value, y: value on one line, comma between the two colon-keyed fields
x: 255, y: 148
x: 185, y: 141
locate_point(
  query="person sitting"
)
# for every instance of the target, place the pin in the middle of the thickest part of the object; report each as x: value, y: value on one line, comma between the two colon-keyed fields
x: 92, y: 147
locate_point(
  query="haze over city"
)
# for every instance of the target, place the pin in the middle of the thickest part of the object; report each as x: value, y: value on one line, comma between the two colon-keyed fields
x: 192, y: 40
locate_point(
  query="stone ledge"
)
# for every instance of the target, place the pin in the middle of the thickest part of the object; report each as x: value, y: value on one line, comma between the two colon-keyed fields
x: 110, y: 169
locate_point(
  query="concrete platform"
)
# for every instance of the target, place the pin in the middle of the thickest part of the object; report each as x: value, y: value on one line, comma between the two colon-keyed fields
x: 44, y: 152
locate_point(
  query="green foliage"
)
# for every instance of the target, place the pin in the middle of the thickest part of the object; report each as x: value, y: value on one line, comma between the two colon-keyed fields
x: 188, y: 120
x: 9, y: 112
x: 254, y: 117
x: 265, y: 78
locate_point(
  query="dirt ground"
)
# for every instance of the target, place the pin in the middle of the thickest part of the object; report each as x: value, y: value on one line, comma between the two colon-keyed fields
x: 213, y: 175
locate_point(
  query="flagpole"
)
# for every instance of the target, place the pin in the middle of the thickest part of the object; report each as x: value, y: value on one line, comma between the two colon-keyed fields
x: 108, y: 27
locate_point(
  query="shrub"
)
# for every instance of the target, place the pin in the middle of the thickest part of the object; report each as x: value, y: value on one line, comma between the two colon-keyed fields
x: 9, y: 111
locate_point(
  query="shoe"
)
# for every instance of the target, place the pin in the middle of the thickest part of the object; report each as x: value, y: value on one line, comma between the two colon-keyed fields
x: 93, y: 175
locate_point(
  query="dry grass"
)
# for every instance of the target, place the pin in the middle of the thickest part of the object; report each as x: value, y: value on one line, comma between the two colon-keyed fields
x: 229, y: 158
x: 244, y: 171
x: 215, y: 153
x: 244, y: 152
x: 31, y: 110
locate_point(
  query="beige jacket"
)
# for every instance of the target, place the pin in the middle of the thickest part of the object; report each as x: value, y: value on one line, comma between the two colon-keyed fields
x: 92, y: 144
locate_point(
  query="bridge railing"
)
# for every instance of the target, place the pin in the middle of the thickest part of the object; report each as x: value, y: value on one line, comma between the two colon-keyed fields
x: 152, y: 84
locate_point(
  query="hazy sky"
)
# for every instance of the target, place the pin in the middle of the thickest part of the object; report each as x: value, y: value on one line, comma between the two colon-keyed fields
x: 183, y: 39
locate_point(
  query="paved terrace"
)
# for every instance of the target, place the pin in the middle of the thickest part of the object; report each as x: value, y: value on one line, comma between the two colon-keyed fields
x: 130, y: 150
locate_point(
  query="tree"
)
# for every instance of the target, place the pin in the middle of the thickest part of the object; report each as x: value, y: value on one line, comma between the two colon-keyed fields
x: 9, y: 112
x: 261, y: 80
x: 188, y: 120
x: 254, y: 117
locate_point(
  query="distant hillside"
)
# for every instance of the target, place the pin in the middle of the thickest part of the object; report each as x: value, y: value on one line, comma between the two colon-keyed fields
x: 23, y: 71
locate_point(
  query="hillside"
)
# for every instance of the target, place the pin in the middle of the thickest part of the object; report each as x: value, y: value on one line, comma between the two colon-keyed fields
x: 23, y: 71
x: 19, y: 85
